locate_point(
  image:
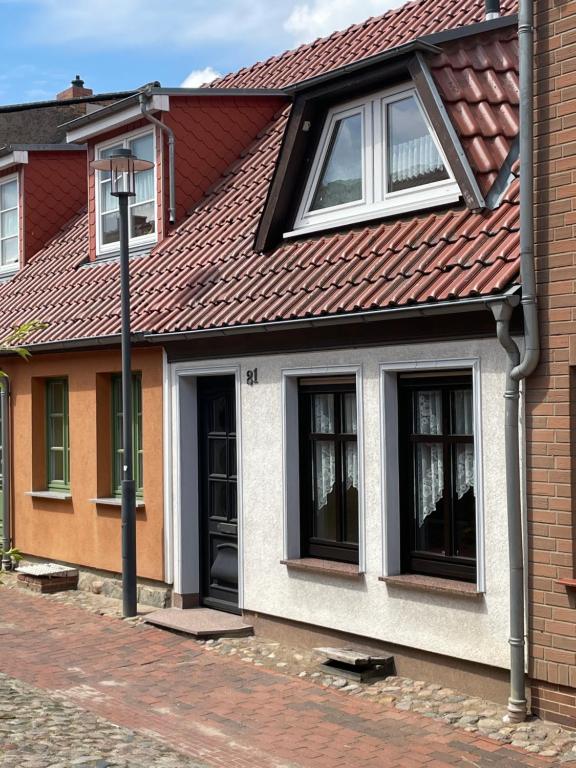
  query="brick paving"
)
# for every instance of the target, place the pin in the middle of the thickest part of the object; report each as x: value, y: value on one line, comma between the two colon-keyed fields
x: 216, y: 709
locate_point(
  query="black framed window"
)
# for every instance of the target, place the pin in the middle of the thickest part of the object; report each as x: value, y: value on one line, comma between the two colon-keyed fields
x: 329, y: 468
x: 437, y: 476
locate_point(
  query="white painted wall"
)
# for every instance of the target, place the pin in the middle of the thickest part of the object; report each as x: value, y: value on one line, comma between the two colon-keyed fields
x: 468, y: 629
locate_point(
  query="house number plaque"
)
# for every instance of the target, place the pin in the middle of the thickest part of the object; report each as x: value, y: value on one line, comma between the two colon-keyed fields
x: 252, y: 377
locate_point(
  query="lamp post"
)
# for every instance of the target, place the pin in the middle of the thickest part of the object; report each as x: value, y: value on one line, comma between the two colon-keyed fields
x: 122, y: 166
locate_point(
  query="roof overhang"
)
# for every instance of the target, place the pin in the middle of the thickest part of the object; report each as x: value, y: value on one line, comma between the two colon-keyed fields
x: 114, y: 116
x: 158, y: 100
x: 12, y: 157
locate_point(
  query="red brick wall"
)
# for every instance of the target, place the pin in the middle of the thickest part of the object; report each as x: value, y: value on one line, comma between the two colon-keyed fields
x: 551, y: 392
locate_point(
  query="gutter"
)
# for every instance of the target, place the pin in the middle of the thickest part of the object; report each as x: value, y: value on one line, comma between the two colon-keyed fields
x: 441, y: 307
x: 519, y: 367
x: 144, y: 98
x: 6, y: 470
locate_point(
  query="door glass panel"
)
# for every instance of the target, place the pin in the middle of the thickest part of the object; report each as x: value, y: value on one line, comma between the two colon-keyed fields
x: 325, y: 501
x: 219, y: 414
x: 341, y: 177
x: 323, y: 413
x: 232, y: 502
x: 217, y: 448
x: 413, y: 158
x: 351, y: 491
x: 218, y: 498
x: 232, y: 457
x: 428, y: 494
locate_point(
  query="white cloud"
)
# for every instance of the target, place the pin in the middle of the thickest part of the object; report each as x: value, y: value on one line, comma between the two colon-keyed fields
x: 114, y: 24
x: 308, y: 21
x: 198, y: 77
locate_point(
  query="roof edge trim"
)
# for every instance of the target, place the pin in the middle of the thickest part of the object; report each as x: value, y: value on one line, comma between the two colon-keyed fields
x: 458, y: 33
x: 17, y: 157
x: 441, y: 307
x: 449, y: 139
x: 115, y: 116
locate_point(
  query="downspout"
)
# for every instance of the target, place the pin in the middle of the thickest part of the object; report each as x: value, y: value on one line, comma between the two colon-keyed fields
x: 144, y: 99
x: 6, y: 470
x: 519, y: 367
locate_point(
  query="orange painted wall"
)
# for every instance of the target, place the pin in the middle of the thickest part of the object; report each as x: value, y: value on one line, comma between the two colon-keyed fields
x: 79, y: 531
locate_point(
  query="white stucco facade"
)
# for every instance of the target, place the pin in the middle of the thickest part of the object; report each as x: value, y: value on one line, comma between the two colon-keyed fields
x: 473, y: 629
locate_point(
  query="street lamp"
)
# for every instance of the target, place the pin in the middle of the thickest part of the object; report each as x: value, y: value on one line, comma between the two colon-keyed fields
x: 122, y: 167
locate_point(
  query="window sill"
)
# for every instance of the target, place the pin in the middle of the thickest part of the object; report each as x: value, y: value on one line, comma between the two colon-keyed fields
x: 434, y: 584
x: 56, y: 495
x: 325, y: 567
x: 112, y: 501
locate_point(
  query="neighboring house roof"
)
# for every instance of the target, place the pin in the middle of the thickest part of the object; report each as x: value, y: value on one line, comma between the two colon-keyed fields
x: 206, y: 274
x: 41, y: 122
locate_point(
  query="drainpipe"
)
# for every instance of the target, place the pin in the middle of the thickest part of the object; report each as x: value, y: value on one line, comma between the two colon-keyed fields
x: 519, y: 367
x: 144, y: 101
x: 6, y: 468
x: 491, y: 9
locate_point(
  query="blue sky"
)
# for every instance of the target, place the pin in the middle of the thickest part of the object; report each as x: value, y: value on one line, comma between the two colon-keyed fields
x: 120, y: 44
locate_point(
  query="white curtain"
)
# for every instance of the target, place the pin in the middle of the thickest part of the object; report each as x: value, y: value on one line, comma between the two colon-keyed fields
x: 351, y: 465
x: 429, y: 456
x: 414, y: 158
x: 464, y: 425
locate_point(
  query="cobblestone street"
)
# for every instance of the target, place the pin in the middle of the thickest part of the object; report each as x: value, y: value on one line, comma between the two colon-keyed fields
x: 37, y: 730
x: 218, y: 705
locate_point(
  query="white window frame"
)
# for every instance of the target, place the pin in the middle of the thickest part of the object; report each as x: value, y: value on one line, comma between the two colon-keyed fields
x: 134, y: 242
x: 291, y: 455
x: 6, y: 269
x: 376, y: 201
x: 390, y: 468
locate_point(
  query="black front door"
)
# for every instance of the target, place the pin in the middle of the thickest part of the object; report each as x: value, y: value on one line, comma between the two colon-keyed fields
x: 218, y: 492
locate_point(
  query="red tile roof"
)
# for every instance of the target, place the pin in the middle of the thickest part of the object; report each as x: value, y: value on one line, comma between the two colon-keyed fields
x: 478, y: 82
x: 206, y: 274
x: 375, y: 35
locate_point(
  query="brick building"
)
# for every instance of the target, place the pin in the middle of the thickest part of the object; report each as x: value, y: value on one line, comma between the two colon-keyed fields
x: 550, y: 391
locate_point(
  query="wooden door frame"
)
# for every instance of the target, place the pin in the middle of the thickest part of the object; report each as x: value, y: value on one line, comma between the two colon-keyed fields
x: 182, y: 481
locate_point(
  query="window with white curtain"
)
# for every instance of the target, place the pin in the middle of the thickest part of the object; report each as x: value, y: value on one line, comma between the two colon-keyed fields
x: 141, y: 207
x: 329, y: 468
x: 437, y: 475
x: 9, y: 240
x: 376, y: 156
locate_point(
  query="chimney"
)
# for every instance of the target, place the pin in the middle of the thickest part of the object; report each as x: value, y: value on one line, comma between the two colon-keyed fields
x: 492, y: 9
x: 75, y: 91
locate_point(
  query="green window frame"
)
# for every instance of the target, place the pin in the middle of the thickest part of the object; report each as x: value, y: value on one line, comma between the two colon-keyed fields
x: 57, y: 435
x: 117, y: 439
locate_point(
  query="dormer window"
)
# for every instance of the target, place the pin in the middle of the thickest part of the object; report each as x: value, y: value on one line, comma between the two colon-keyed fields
x: 377, y: 156
x: 141, y: 207
x: 9, y: 245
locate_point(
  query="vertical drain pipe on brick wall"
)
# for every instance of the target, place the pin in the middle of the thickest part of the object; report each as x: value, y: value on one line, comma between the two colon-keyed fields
x: 520, y: 366
x: 6, y: 471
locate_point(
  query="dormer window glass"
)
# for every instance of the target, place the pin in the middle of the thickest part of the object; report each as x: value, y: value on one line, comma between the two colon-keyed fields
x: 8, y: 224
x: 377, y: 156
x: 341, y: 180
x: 141, y: 207
x: 413, y: 158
